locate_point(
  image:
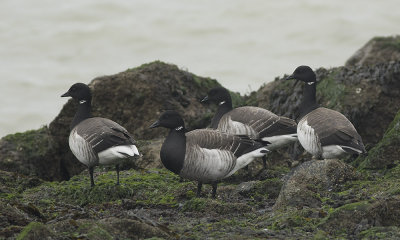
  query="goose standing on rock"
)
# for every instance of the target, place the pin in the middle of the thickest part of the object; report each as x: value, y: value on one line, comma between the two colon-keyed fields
x: 257, y: 123
x: 204, y: 155
x: 94, y: 140
x: 323, y: 132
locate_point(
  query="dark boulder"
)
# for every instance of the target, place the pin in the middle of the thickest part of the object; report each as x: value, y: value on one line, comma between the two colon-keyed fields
x: 385, y: 154
x: 305, y: 185
x: 376, y: 50
x: 356, y: 218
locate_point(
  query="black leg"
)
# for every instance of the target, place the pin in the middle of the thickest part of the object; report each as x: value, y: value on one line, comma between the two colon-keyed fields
x: 264, y: 159
x: 91, y: 176
x: 117, y: 168
x: 199, y: 185
x: 214, y: 189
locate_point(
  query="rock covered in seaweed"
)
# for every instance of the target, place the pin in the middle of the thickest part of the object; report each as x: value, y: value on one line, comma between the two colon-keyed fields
x: 305, y: 185
x: 377, y: 50
x: 386, y: 153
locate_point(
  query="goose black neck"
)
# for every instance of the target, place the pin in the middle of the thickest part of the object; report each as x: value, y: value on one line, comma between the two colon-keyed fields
x: 173, y: 150
x: 223, y: 108
x: 84, y: 111
x: 309, y: 102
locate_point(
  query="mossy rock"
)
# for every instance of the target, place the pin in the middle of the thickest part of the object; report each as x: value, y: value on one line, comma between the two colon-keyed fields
x: 377, y: 50
x: 386, y: 153
x: 308, y: 183
x: 150, y: 188
x: 24, y: 152
x: 355, y: 218
x: 36, y: 230
x: 214, y: 206
x: 392, y: 232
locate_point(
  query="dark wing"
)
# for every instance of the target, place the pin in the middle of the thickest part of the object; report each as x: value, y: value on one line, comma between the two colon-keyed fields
x: 283, y: 126
x: 213, y: 139
x: 102, y: 133
x: 333, y: 128
x: 263, y: 122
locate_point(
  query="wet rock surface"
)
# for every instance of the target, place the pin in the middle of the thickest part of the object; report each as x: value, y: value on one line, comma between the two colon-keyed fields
x: 294, y: 198
x: 377, y: 50
x: 386, y: 153
x: 311, y: 181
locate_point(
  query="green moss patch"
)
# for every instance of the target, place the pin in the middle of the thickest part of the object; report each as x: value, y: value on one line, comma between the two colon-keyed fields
x: 214, y: 206
x: 32, y: 143
x: 386, y: 152
x: 332, y: 91
x: 155, y: 187
x: 381, y: 233
x: 388, y: 42
x: 35, y: 230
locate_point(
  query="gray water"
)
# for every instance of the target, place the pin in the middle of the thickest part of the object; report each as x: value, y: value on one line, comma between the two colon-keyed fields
x: 48, y: 45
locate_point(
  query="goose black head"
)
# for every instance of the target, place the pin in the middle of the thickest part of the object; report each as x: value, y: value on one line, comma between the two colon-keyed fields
x: 169, y: 119
x: 217, y: 95
x: 303, y: 73
x: 80, y: 92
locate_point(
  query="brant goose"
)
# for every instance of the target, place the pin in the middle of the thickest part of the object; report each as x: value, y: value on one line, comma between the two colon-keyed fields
x: 255, y: 122
x: 94, y: 140
x: 204, y: 155
x: 323, y: 132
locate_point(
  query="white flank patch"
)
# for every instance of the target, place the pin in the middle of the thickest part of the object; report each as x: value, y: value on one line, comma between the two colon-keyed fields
x: 336, y: 151
x: 332, y: 151
x: 247, y: 158
x: 280, y: 140
x: 207, y: 165
x: 112, y: 155
x: 308, y: 139
x: 81, y: 149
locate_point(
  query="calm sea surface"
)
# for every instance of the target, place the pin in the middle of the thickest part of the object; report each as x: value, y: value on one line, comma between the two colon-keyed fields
x: 48, y: 45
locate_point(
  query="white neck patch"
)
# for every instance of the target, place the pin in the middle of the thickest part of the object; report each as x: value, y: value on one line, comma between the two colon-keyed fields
x: 82, y: 101
x: 310, y: 83
x: 179, y: 128
x: 221, y: 103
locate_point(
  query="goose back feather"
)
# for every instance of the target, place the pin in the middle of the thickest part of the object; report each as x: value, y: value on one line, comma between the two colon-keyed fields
x: 259, y: 123
x: 101, y: 141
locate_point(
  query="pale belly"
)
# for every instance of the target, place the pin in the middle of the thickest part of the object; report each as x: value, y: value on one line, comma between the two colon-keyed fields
x: 308, y: 139
x: 81, y: 149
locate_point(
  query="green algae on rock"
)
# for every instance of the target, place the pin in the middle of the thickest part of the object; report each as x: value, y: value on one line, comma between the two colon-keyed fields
x: 376, y: 50
x: 306, y: 183
x: 386, y: 153
x: 24, y: 153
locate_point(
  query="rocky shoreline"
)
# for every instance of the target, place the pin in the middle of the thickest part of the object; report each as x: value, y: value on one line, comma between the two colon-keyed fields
x: 44, y: 191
